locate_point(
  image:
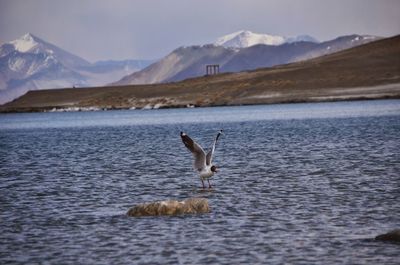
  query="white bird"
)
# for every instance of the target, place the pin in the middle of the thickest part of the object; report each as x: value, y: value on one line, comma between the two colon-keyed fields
x: 202, y: 161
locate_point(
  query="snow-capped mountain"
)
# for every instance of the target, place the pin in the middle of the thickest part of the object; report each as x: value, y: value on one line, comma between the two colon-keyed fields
x: 30, y: 63
x: 245, y: 38
x: 187, y: 62
x: 29, y: 43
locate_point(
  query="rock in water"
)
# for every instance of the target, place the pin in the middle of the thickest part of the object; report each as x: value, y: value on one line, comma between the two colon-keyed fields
x: 393, y: 235
x: 170, y: 207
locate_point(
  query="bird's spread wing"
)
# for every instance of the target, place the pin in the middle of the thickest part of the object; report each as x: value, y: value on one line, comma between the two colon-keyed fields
x: 198, y: 152
x: 211, y: 153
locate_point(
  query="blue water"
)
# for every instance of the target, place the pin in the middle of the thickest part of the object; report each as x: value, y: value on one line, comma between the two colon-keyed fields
x: 298, y: 184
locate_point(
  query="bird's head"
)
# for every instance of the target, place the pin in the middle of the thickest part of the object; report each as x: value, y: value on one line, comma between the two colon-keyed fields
x: 214, y: 169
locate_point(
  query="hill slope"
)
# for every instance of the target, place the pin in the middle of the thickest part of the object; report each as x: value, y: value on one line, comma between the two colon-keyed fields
x: 368, y: 71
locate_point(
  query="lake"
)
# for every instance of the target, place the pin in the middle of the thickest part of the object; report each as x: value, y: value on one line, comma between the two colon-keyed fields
x: 298, y: 184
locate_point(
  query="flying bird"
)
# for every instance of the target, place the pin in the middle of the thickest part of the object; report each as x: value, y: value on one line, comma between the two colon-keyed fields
x: 202, y: 161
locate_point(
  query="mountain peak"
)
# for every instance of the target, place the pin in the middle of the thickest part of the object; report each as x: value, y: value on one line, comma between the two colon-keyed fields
x: 26, y: 42
x: 28, y: 36
x: 246, y: 38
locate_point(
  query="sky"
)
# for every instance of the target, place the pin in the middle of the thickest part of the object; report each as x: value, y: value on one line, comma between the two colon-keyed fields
x: 150, y: 29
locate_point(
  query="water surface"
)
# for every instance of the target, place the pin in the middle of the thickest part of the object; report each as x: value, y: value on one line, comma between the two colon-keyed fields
x: 298, y: 184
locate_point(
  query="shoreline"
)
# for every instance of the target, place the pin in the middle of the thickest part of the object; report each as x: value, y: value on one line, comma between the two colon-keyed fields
x: 96, y: 108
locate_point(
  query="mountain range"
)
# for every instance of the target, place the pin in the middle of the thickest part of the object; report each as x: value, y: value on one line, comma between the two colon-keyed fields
x: 30, y: 63
x: 369, y: 71
x: 191, y: 61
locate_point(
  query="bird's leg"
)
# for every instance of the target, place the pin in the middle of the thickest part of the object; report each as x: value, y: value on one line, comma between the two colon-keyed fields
x: 202, y: 182
x: 209, y: 185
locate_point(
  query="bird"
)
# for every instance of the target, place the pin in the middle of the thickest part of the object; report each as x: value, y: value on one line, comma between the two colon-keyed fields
x: 202, y: 161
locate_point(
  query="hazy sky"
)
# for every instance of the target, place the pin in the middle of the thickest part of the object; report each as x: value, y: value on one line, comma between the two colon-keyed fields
x: 148, y: 29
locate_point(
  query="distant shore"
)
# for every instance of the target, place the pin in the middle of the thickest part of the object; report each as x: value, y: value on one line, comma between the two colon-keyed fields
x: 395, y: 94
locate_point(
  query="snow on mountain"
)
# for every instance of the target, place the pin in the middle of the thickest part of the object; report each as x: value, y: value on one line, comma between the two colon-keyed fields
x: 245, y: 38
x: 25, y: 43
x: 30, y: 63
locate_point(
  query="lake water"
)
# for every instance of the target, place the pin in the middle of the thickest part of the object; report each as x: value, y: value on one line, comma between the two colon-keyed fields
x: 298, y: 184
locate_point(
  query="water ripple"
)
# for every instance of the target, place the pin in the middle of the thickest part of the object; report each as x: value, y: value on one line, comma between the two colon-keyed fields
x: 289, y: 191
